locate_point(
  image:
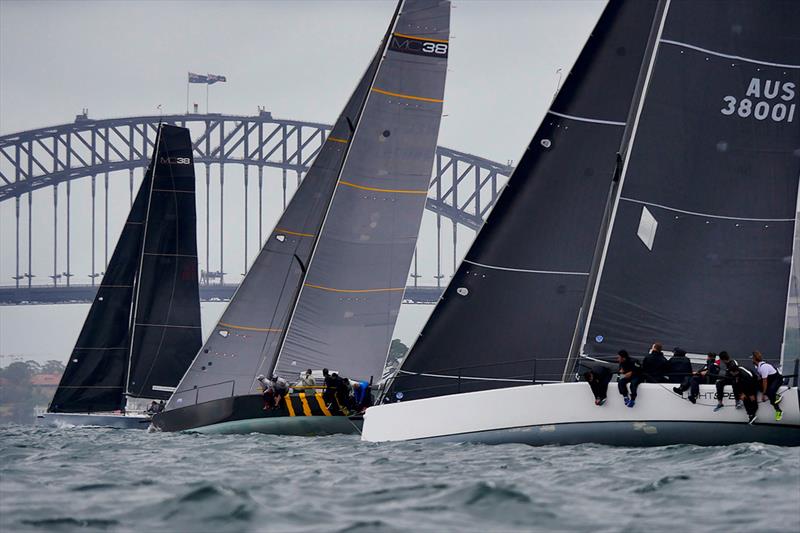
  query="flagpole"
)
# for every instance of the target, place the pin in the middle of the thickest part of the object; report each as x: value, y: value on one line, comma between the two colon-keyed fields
x: 187, y: 95
x: 207, y: 85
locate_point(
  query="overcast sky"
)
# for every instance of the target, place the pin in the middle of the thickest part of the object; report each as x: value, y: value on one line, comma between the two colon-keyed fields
x: 299, y: 59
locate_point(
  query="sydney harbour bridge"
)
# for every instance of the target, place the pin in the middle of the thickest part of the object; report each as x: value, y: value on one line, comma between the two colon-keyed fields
x: 463, y: 189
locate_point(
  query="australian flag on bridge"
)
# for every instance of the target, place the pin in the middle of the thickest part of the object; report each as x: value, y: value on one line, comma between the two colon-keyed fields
x: 209, y: 79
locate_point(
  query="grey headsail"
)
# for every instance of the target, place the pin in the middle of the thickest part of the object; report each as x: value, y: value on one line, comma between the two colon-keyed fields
x: 246, y: 339
x: 166, y: 332
x: 700, y: 247
x: 95, y: 376
x: 510, y: 311
x: 352, y: 293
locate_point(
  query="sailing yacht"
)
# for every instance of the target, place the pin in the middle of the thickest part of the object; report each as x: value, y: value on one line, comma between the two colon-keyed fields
x: 143, y: 328
x: 326, y: 288
x: 657, y: 202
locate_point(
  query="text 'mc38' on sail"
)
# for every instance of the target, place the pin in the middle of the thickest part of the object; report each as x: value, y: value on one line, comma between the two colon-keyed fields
x: 699, y: 251
x: 147, y: 271
x: 380, y: 136
x: 511, y: 308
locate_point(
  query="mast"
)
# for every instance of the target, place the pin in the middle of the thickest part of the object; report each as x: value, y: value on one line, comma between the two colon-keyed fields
x: 138, y: 276
x: 165, y: 325
x: 613, y: 197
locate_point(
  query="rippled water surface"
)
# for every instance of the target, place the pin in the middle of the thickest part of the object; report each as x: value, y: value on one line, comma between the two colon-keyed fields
x: 127, y: 480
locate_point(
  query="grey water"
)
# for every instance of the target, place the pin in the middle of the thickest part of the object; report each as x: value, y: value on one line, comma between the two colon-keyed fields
x: 92, y: 479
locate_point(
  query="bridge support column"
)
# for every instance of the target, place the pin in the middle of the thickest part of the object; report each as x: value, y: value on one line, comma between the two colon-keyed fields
x: 55, y: 235
x: 16, y: 275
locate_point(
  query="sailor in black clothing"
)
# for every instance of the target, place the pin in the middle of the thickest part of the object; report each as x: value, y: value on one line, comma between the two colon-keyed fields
x: 630, y: 371
x: 727, y: 379
x: 598, y: 378
x: 654, y: 365
x: 329, y: 394
x: 679, y: 367
x: 746, y: 383
x: 707, y: 374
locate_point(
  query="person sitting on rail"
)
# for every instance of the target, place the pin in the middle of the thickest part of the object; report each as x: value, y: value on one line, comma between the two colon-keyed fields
x: 598, y: 378
x: 153, y: 408
x: 654, y: 365
x: 268, y: 392
x: 630, y: 371
x: 679, y: 368
x: 727, y: 379
x: 329, y: 394
x: 771, y: 381
x: 707, y: 374
x: 306, y: 380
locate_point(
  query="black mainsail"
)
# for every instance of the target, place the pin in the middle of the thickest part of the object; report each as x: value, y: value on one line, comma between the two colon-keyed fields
x: 511, y: 308
x: 700, y: 247
x: 374, y: 155
x: 150, y: 270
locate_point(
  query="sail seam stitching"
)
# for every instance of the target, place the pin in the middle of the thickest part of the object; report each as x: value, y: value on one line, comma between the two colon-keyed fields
x: 525, y: 270
x: 415, y: 38
x: 705, y: 215
x: 728, y: 56
x: 280, y: 230
x: 584, y: 119
x: 166, y: 326
x: 331, y: 289
x: 408, y: 96
x: 337, y: 140
x: 169, y: 255
x: 250, y: 328
x: 376, y: 189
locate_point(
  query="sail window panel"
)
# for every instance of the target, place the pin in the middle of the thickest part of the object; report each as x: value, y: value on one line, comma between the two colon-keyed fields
x: 647, y: 228
x: 735, y: 166
x: 736, y: 27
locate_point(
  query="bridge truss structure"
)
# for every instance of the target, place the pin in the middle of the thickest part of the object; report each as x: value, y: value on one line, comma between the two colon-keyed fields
x: 463, y: 188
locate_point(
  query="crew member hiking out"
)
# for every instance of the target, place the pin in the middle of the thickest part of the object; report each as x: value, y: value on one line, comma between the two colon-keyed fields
x: 281, y: 388
x: 727, y: 379
x: 654, y: 365
x: 267, y: 391
x: 331, y: 382
x: 746, y: 383
x: 630, y: 371
x: 771, y: 381
x: 598, y: 378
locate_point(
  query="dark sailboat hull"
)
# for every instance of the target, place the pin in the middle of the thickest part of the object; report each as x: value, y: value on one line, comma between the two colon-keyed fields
x: 103, y: 420
x: 299, y: 415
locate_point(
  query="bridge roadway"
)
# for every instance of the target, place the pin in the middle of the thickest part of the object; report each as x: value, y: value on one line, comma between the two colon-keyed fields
x: 48, y: 294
